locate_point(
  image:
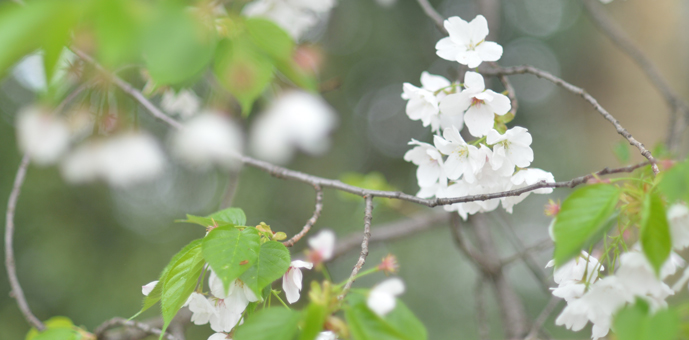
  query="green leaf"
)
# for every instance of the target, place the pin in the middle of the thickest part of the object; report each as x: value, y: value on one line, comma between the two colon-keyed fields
x: 154, y: 296
x: 399, y: 324
x: 177, y: 46
x: 621, y: 150
x: 180, y: 281
x: 656, y: 241
x: 276, y: 323
x: 57, y: 37
x: 231, y: 252
x: 313, y: 318
x: 243, y: 70
x: 675, y: 183
x: 584, y: 217
x: 57, y: 334
x: 270, y: 38
x: 23, y: 29
x: 55, y: 323
x: 272, y: 262
x: 636, y: 322
x: 230, y: 215
x: 118, y: 25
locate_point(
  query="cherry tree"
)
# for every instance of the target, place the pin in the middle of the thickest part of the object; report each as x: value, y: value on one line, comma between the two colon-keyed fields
x: 617, y: 239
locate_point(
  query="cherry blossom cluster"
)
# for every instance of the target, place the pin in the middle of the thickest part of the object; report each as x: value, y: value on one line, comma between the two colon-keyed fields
x: 222, y: 308
x: 498, y: 159
x: 595, y: 299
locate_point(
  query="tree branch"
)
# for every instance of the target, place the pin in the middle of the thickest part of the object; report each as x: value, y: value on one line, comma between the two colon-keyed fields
x: 368, y: 216
x: 433, y: 14
x: 624, y: 43
x: 542, y: 317
x: 117, y: 322
x: 581, y: 92
x: 311, y: 221
x: 17, y: 291
x: 393, y: 231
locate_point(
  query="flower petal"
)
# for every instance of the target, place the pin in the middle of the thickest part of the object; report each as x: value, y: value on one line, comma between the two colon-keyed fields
x: 489, y: 51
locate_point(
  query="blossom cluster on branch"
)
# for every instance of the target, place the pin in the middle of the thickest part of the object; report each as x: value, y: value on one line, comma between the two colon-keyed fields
x: 498, y: 159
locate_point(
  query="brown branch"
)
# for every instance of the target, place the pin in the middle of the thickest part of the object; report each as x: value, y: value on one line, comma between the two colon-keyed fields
x: 311, y: 221
x: 393, y: 231
x: 368, y: 216
x: 433, y: 14
x: 619, y: 38
x: 17, y: 291
x: 120, y: 322
x: 481, y: 315
x: 511, y: 94
x: 581, y: 92
x: 485, y: 267
x: 512, y: 311
x: 542, y: 317
x: 284, y: 173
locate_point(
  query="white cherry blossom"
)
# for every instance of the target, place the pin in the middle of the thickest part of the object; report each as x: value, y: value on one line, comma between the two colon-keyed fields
x: 426, y: 103
x: 598, y: 305
x: 208, y: 139
x: 463, y: 159
x: 526, y: 177
x: 202, y: 309
x: 295, y: 120
x: 219, y: 336
x: 382, y: 298
x: 184, y: 103
x: 292, y: 280
x: 510, y: 149
x: 678, y: 218
x: 429, y: 162
x: 466, y: 42
x: 236, y: 297
x: 480, y: 104
x: 148, y: 288
x: 322, y: 246
x: 41, y: 135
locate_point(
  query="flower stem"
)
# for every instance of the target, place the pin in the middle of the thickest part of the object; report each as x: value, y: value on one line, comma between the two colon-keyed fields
x: 279, y: 299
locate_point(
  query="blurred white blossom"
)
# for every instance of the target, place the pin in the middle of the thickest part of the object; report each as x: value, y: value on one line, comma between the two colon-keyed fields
x: 678, y: 218
x: 120, y: 160
x: 184, y: 103
x: 208, y: 139
x: 148, y: 288
x: 294, y: 16
x: 382, y: 298
x: 218, y: 336
x: 295, y: 120
x: 322, y: 246
x: 42, y: 135
x: 427, y: 105
x: 327, y: 335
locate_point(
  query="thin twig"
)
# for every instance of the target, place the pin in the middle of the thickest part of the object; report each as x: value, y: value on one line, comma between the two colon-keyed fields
x: 116, y: 322
x: 130, y: 90
x: 368, y: 216
x: 542, y: 317
x: 523, y: 252
x: 433, y: 14
x: 17, y: 291
x: 311, y: 221
x: 542, y: 245
x: 511, y: 94
x: 581, y: 92
x: 619, y: 38
x: 393, y: 231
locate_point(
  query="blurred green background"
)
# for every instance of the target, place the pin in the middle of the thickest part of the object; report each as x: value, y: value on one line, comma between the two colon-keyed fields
x: 84, y: 251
